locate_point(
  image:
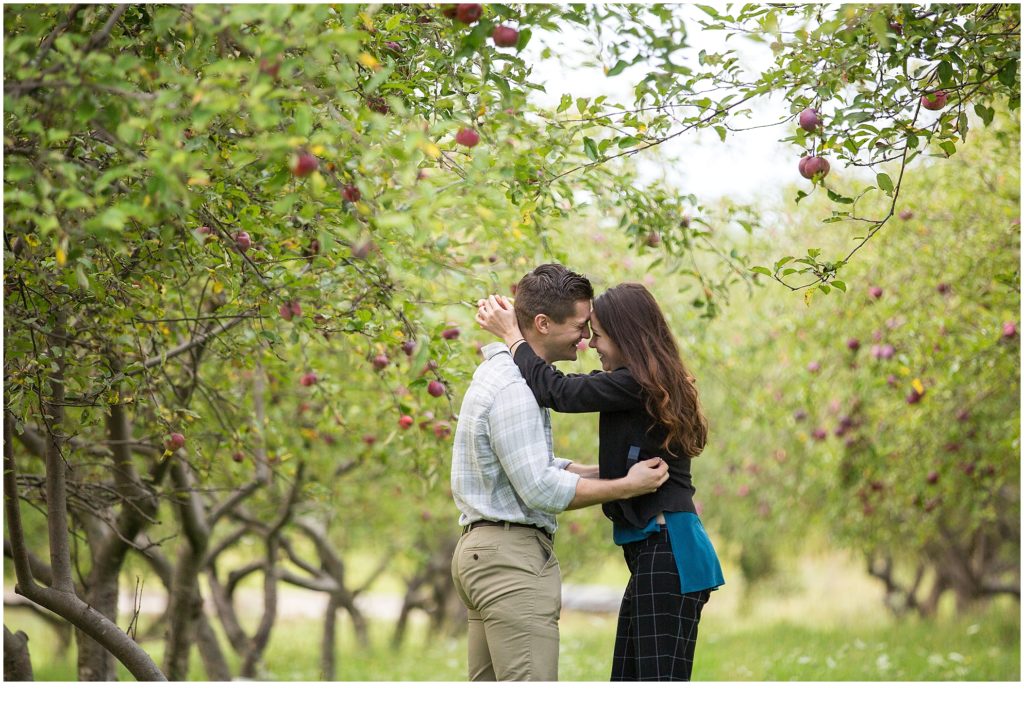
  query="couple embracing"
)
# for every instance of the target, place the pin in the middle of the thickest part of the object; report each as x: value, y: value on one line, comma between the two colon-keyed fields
x: 508, y: 484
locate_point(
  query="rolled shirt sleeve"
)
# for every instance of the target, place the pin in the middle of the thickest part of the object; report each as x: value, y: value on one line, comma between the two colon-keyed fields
x: 517, y: 435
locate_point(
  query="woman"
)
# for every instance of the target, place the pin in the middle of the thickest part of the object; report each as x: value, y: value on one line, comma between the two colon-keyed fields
x: 648, y: 408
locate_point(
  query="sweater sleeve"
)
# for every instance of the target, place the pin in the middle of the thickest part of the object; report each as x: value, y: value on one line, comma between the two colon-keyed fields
x: 576, y: 393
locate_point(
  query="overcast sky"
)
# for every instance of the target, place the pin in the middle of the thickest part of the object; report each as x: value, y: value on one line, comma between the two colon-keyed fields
x: 750, y: 166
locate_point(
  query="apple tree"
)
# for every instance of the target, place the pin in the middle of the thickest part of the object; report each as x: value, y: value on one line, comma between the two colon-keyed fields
x: 889, y: 419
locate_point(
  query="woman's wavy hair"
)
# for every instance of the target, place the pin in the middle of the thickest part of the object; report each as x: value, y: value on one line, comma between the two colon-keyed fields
x: 633, y: 321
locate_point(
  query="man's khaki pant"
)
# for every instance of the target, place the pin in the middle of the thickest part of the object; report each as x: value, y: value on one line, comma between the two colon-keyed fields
x: 508, y: 578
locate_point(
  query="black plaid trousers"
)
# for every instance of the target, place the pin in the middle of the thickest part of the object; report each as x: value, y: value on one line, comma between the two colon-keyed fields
x: 657, y: 631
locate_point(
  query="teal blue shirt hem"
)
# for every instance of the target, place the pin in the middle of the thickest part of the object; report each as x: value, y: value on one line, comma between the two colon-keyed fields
x: 696, y: 559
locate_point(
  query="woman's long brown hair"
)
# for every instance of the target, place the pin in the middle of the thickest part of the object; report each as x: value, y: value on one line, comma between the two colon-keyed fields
x: 633, y: 321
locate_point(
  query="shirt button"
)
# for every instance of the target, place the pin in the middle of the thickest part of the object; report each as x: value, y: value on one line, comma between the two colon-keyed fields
x: 475, y: 556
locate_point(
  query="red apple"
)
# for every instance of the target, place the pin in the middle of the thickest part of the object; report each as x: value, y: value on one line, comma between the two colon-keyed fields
x: 875, y: 292
x: 242, y: 241
x: 409, y: 347
x: 174, y: 442
x: 933, y: 477
x: 450, y: 334
x: 405, y: 421
x: 304, y: 163
x: 813, y: 366
x: 914, y: 397
x: 813, y: 165
x: 853, y: 344
x: 468, y: 13
x: 378, y: 104
x: 268, y: 67
x: 935, y: 100
x: 653, y: 239
x: 442, y: 430
x: 361, y: 249
x: 467, y: 137
x: 504, y: 36
x: 943, y: 288
x: 238, y: 456
x: 1009, y: 330
x: 285, y: 310
x: 906, y: 215
x: 309, y: 379
x: 393, y: 46
x: 351, y: 193
x: 369, y: 439
x: 809, y: 119
x: 435, y: 388
x: 380, y: 361
x: 803, y: 165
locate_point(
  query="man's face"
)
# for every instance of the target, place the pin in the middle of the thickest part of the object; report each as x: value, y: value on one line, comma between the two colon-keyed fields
x: 562, y: 338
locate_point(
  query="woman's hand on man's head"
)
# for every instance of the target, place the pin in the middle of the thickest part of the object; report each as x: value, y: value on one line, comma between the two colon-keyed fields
x: 497, y: 315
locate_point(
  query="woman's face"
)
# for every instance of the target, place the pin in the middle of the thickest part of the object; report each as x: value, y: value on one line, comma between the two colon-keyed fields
x: 607, y: 351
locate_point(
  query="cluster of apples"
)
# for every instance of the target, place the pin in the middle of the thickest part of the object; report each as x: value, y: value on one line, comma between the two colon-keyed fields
x: 470, y: 13
x: 810, y: 120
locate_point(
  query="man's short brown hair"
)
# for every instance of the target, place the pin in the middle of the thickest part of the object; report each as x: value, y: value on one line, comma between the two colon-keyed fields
x: 550, y: 289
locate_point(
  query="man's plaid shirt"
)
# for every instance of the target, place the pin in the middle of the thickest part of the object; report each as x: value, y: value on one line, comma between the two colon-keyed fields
x: 503, y: 463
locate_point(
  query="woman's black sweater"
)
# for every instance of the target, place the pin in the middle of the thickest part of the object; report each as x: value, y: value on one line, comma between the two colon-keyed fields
x: 627, y: 432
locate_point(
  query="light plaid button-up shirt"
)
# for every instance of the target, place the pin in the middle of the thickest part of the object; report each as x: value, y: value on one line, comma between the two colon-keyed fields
x: 503, y: 463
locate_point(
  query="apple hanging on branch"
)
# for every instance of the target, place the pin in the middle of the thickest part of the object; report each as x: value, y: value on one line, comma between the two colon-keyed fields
x: 934, y: 101
x: 468, y: 13
x: 304, y: 163
x: 467, y: 137
x: 809, y: 119
x: 813, y: 165
x: 174, y: 442
x: 504, y: 37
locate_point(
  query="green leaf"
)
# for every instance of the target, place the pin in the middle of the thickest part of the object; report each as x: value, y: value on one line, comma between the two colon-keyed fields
x: 618, y: 68
x: 1008, y: 74
x: 836, y: 197
x: 839, y: 285
x: 303, y: 120
x: 945, y: 71
x: 987, y: 114
x: 949, y: 147
x: 762, y: 270
x: 590, y: 148
x: 524, y: 39
x: 721, y: 132
x: 880, y: 28
x: 884, y: 183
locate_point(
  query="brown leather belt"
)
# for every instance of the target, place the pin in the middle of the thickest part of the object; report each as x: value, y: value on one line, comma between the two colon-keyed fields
x: 478, y: 524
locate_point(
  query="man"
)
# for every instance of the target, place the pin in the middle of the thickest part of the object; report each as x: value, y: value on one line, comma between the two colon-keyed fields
x: 509, y: 486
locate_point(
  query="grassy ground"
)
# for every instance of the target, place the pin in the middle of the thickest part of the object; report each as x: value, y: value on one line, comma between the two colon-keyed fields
x: 824, y: 622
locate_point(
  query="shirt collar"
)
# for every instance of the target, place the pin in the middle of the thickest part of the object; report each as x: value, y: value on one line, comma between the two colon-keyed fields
x: 492, y: 349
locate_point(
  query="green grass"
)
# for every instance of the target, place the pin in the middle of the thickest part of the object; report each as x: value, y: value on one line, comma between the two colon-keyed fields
x: 822, y: 620
x: 985, y: 647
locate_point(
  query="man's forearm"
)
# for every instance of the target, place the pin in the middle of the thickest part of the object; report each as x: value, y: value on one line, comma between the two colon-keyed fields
x: 588, y: 471
x: 598, y: 491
